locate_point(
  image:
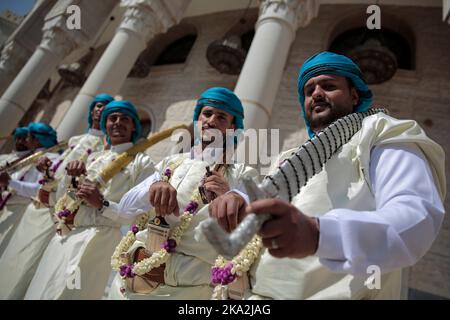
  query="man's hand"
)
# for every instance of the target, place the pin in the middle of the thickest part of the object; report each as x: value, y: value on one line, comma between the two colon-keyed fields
x: 228, y: 209
x: 289, y: 233
x: 43, y: 164
x: 4, y: 179
x: 76, y: 168
x: 215, y: 185
x: 90, y: 194
x: 163, y: 197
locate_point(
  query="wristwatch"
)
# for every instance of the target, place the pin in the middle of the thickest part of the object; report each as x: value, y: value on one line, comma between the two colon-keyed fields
x: 105, y: 204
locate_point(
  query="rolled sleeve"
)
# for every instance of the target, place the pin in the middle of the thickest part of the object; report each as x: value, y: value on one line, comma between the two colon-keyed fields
x: 407, y: 219
x: 134, y: 203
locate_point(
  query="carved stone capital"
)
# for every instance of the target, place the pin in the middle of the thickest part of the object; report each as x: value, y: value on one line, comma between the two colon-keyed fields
x: 295, y: 13
x: 60, y: 40
x: 307, y: 10
x: 13, y: 57
x: 151, y: 17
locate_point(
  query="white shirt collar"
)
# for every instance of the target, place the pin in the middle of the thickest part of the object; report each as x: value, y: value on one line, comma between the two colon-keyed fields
x: 121, y: 147
x: 95, y: 132
x: 21, y: 153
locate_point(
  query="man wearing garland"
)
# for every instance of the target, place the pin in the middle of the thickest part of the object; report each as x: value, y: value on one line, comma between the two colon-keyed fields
x: 20, y: 146
x: 79, y: 147
x: 86, y: 238
x: 13, y: 205
x: 179, y: 267
x: 376, y: 205
x: 24, y: 248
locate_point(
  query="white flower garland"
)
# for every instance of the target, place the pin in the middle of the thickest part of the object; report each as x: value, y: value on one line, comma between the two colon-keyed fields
x: 65, y: 207
x: 118, y: 262
x: 226, y: 272
x: 236, y: 268
x: 157, y: 258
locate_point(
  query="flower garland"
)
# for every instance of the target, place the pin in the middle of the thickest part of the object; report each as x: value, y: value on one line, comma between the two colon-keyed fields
x: 48, y: 182
x: 65, y: 207
x: 160, y: 257
x: 226, y: 272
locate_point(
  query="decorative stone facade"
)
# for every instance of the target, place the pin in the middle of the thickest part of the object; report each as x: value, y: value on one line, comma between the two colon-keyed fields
x: 169, y: 92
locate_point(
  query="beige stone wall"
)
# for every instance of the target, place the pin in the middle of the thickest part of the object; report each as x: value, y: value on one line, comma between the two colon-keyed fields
x: 422, y: 94
x: 171, y: 91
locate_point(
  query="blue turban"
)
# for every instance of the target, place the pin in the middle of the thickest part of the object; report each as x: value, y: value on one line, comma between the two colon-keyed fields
x: 102, y: 97
x: 20, y: 132
x: 223, y: 99
x: 332, y: 63
x: 124, y: 107
x: 44, y: 133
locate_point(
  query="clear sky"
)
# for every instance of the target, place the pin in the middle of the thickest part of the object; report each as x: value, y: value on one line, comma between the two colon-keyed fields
x: 19, y: 7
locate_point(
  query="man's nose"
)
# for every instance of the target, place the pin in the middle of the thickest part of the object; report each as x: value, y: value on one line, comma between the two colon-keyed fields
x: 317, y: 93
x: 212, y: 120
x: 118, y: 120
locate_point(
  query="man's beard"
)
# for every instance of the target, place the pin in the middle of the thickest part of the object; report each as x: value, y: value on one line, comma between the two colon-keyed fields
x: 211, y: 141
x: 321, y: 122
x: 21, y: 147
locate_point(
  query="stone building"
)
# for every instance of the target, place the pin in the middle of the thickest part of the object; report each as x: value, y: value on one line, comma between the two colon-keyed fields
x: 161, y: 54
x: 9, y: 21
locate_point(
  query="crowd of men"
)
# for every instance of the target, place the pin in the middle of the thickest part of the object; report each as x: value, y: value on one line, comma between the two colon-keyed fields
x: 377, y: 201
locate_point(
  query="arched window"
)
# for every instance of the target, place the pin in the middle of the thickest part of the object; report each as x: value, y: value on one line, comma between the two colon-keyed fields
x: 177, y: 51
x: 227, y: 55
x: 247, y: 39
x: 172, y: 47
x: 379, y: 52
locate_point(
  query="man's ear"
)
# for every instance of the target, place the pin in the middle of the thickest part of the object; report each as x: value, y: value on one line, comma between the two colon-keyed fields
x: 233, y: 123
x: 355, y: 97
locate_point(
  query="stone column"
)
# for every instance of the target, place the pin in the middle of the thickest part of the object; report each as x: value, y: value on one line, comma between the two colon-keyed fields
x: 143, y: 19
x: 22, y: 43
x: 261, y: 74
x: 446, y: 11
x: 57, y: 42
x: 12, y: 58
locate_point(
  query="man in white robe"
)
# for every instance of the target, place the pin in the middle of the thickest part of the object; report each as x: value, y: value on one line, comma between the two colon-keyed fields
x: 37, y: 226
x: 374, y: 209
x: 23, y: 250
x: 12, y: 205
x: 187, y: 273
x: 76, y: 265
x: 81, y: 146
x: 20, y: 147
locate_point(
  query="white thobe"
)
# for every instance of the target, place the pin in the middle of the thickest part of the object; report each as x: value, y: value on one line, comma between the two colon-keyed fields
x: 36, y: 227
x: 10, y: 157
x: 16, y: 201
x: 29, y: 239
x: 188, y: 270
x: 407, y: 205
x: 79, y: 148
x: 379, y: 205
x: 77, y: 265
